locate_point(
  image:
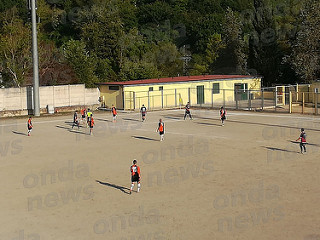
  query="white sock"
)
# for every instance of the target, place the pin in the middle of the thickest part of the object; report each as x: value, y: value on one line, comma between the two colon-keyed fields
x: 132, y: 185
x: 138, y: 187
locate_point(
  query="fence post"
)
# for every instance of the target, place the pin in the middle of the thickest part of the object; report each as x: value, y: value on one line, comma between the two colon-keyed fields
x: 275, y: 99
x: 249, y: 102
x: 175, y: 97
x: 149, y: 100
x: 53, y: 96
x: 302, y: 102
x: 262, y: 99
x: 161, y: 98
x: 316, y: 103
x: 224, y: 98
x: 189, y: 100
x: 212, y: 98
x: 134, y: 100
x: 69, y: 91
x: 290, y: 102
x: 236, y: 96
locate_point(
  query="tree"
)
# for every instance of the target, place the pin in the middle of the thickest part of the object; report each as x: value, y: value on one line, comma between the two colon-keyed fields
x: 234, y: 55
x: 15, y: 51
x: 264, y: 53
x: 81, y: 61
x: 305, y: 57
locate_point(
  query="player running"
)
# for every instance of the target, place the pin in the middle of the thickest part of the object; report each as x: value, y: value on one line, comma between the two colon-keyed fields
x: 143, y: 111
x: 114, y: 113
x: 75, y: 120
x: 89, y: 115
x: 161, y: 129
x: 29, y: 125
x: 223, y: 113
x: 83, y: 114
x: 91, y: 124
x: 187, y: 107
x: 303, y: 140
x: 135, y: 175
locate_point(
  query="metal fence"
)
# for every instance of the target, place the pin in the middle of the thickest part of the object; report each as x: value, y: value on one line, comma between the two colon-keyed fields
x: 280, y: 99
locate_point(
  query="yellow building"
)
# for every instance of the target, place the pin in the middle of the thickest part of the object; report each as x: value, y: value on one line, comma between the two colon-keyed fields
x: 172, y: 92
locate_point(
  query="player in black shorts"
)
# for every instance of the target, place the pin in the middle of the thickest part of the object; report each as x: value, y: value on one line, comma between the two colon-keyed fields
x: 135, y: 175
x: 303, y: 140
x: 222, y: 115
x: 143, y: 111
x: 75, y: 120
x: 187, y: 107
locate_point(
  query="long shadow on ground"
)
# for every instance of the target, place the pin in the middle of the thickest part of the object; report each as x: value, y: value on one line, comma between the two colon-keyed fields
x: 20, y: 133
x: 121, y: 188
x: 311, y: 144
x: 210, y: 124
x: 260, y: 124
x: 144, y: 138
x: 131, y: 119
x: 280, y: 149
x: 71, y: 130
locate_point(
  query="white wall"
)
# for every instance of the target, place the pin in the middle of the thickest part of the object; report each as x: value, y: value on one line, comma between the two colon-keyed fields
x: 57, y: 96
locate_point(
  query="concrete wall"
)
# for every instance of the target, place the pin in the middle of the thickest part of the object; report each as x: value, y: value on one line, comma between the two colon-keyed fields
x: 12, y: 99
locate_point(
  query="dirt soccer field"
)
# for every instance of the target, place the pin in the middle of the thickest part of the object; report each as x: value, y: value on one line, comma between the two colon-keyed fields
x: 246, y: 180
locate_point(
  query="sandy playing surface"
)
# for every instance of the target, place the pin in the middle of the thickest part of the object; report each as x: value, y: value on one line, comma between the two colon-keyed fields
x: 245, y: 180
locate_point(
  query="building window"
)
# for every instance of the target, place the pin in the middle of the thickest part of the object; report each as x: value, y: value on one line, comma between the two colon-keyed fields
x: 114, y: 88
x: 316, y: 90
x: 150, y: 89
x: 161, y: 88
x: 215, y: 88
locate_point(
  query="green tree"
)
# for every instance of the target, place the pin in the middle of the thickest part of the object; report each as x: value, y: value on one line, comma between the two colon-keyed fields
x: 15, y: 52
x: 305, y: 57
x: 81, y: 61
x: 234, y: 55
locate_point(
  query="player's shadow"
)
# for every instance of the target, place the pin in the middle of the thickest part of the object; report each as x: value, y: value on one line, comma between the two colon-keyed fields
x: 144, y: 138
x: 104, y: 120
x: 210, y: 124
x: 121, y: 188
x: 175, y: 118
x: 280, y: 149
x: 261, y: 124
x: 131, y: 119
x: 311, y: 144
x: 71, y: 130
x: 20, y: 133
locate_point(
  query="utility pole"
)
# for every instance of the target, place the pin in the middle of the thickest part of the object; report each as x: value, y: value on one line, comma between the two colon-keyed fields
x: 35, y: 58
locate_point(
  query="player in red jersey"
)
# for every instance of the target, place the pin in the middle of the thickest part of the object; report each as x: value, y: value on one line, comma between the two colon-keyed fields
x: 29, y: 125
x: 160, y: 129
x: 135, y: 175
x: 223, y: 113
x: 114, y: 113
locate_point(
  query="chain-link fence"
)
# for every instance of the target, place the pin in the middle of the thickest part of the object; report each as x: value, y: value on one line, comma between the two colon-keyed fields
x: 280, y: 99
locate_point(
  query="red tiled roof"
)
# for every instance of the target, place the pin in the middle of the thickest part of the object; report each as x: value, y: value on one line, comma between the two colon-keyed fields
x: 178, y: 79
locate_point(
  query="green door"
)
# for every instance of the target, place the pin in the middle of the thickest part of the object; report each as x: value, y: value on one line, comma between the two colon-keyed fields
x: 240, y: 91
x: 200, y: 94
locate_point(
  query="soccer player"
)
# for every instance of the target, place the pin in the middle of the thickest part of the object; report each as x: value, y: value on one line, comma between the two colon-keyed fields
x: 223, y: 113
x: 29, y: 125
x: 161, y: 129
x: 303, y: 140
x: 114, y: 113
x: 187, y: 107
x: 75, y: 120
x: 91, y: 124
x: 143, y: 111
x: 83, y: 114
x: 89, y: 115
x: 135, y: 175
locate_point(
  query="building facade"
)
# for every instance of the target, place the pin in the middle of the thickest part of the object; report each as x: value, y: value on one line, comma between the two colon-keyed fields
x: 172, y: 92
